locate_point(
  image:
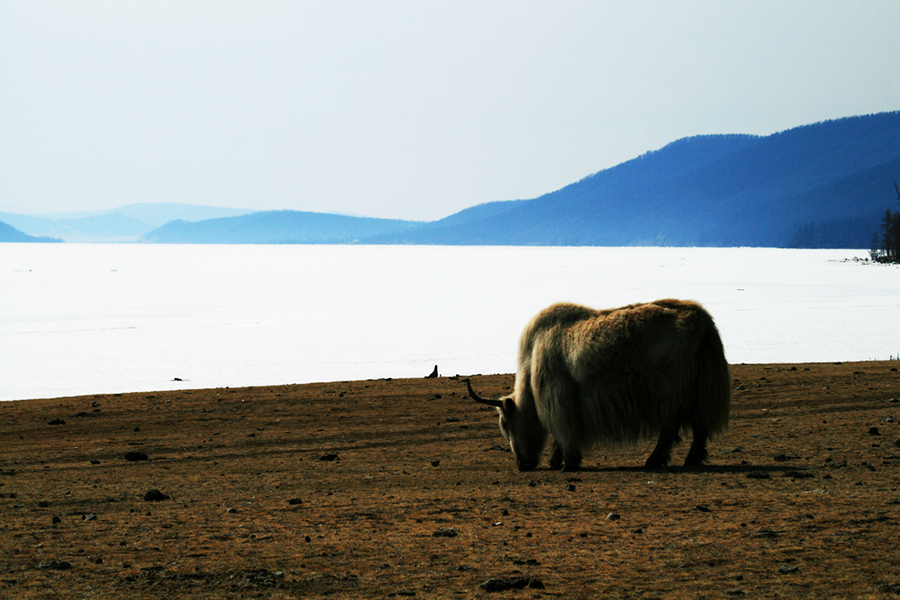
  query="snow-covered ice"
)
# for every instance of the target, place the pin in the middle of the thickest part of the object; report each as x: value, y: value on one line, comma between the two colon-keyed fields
x: 96, y: 318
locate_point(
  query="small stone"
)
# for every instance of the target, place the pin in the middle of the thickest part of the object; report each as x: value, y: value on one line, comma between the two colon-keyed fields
x: 504, y: 584
x: 570, y: 487
x: 294, y: 501
x: 329, y: 457
x: 59, y: 565
x: 135, y: 456
x: 89, y: 517
x: 613, y: 516
x: 787, y: 569
x: 512, y: 583
x: 56, y: 422
x: 56, y: 520
x: 785, y: 456
x: 701, y: 508
x: 155, y: 496
x: 435, y: 463
x: 874, y: 431
x: 446, y: 532
x: 230, y: 511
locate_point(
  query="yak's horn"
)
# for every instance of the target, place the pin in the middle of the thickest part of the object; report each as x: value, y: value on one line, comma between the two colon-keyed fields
x: 477, y: 398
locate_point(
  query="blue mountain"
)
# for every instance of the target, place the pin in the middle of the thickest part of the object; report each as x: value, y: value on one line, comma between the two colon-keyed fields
x: 719, y: 190
x: 8, y: 233
x: 277, y: 227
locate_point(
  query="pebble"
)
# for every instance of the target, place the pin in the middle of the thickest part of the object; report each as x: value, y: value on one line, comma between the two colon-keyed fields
x: 155, y: 495
x: 787, y: 569
x: 511, y: 583
x: 446, y: 532
x: 135, y: 456
x: 613, y: 516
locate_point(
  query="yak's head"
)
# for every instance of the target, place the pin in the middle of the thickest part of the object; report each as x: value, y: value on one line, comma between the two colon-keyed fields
x: 520, y: 427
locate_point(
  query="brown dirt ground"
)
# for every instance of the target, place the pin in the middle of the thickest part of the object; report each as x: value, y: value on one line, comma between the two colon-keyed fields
x: 801, y: 500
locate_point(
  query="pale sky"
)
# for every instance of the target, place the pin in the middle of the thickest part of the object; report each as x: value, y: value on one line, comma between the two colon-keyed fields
x: 397, y: 109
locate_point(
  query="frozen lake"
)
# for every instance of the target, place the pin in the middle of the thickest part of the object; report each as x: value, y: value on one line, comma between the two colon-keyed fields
x: 83, y: 319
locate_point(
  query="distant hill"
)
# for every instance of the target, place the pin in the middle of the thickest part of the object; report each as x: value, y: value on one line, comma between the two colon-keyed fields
x: 821, y: 185
x: 8, y: 233
x: 160, y: 213
x: 124, y: 224
x: 721, y: 190
x: 277, y: 227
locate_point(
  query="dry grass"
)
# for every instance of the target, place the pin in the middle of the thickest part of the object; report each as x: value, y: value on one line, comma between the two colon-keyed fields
x: 800, y: 500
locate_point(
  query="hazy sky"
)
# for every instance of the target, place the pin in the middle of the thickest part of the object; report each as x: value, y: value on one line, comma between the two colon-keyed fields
x: 404, y: 109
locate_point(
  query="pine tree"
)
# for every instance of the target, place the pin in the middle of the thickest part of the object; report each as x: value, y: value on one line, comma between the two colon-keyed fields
x: 890, y: 236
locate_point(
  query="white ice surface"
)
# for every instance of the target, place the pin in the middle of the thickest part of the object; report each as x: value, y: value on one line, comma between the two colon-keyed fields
x: 83, y: 319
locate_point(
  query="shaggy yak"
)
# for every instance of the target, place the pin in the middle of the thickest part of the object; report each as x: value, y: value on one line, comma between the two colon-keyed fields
x: 587, y: 376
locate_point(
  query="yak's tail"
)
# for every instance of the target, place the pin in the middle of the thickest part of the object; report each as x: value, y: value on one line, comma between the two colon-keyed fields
x: 713, y: 384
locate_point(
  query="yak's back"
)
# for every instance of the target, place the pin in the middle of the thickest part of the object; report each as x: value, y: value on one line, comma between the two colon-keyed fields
x: 645, y: 332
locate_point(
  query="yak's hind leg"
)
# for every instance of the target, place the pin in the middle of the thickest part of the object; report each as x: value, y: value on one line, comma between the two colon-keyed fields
x: 663, y: 451
x: 697, y: 454
x: 566, y: 460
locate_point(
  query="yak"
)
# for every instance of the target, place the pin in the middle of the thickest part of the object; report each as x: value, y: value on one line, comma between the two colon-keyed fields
x: 589, y: 376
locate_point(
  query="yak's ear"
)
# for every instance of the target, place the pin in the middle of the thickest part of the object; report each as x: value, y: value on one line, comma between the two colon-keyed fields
x: 509, y: 405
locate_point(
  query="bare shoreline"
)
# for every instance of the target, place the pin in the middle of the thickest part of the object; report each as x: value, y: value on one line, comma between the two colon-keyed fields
x: 394, y: 487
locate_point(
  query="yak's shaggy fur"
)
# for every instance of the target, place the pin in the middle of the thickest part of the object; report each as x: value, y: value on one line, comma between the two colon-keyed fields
x: 590, y: 376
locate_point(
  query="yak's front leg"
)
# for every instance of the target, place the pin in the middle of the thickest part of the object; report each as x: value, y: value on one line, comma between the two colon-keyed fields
x: 565, y: 460
x: 663, y: 451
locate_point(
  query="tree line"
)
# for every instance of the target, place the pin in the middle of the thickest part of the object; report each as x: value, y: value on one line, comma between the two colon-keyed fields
x: 886, y: 245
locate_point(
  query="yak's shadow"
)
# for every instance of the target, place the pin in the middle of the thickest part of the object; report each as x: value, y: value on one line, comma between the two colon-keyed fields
x: 700, y: 470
